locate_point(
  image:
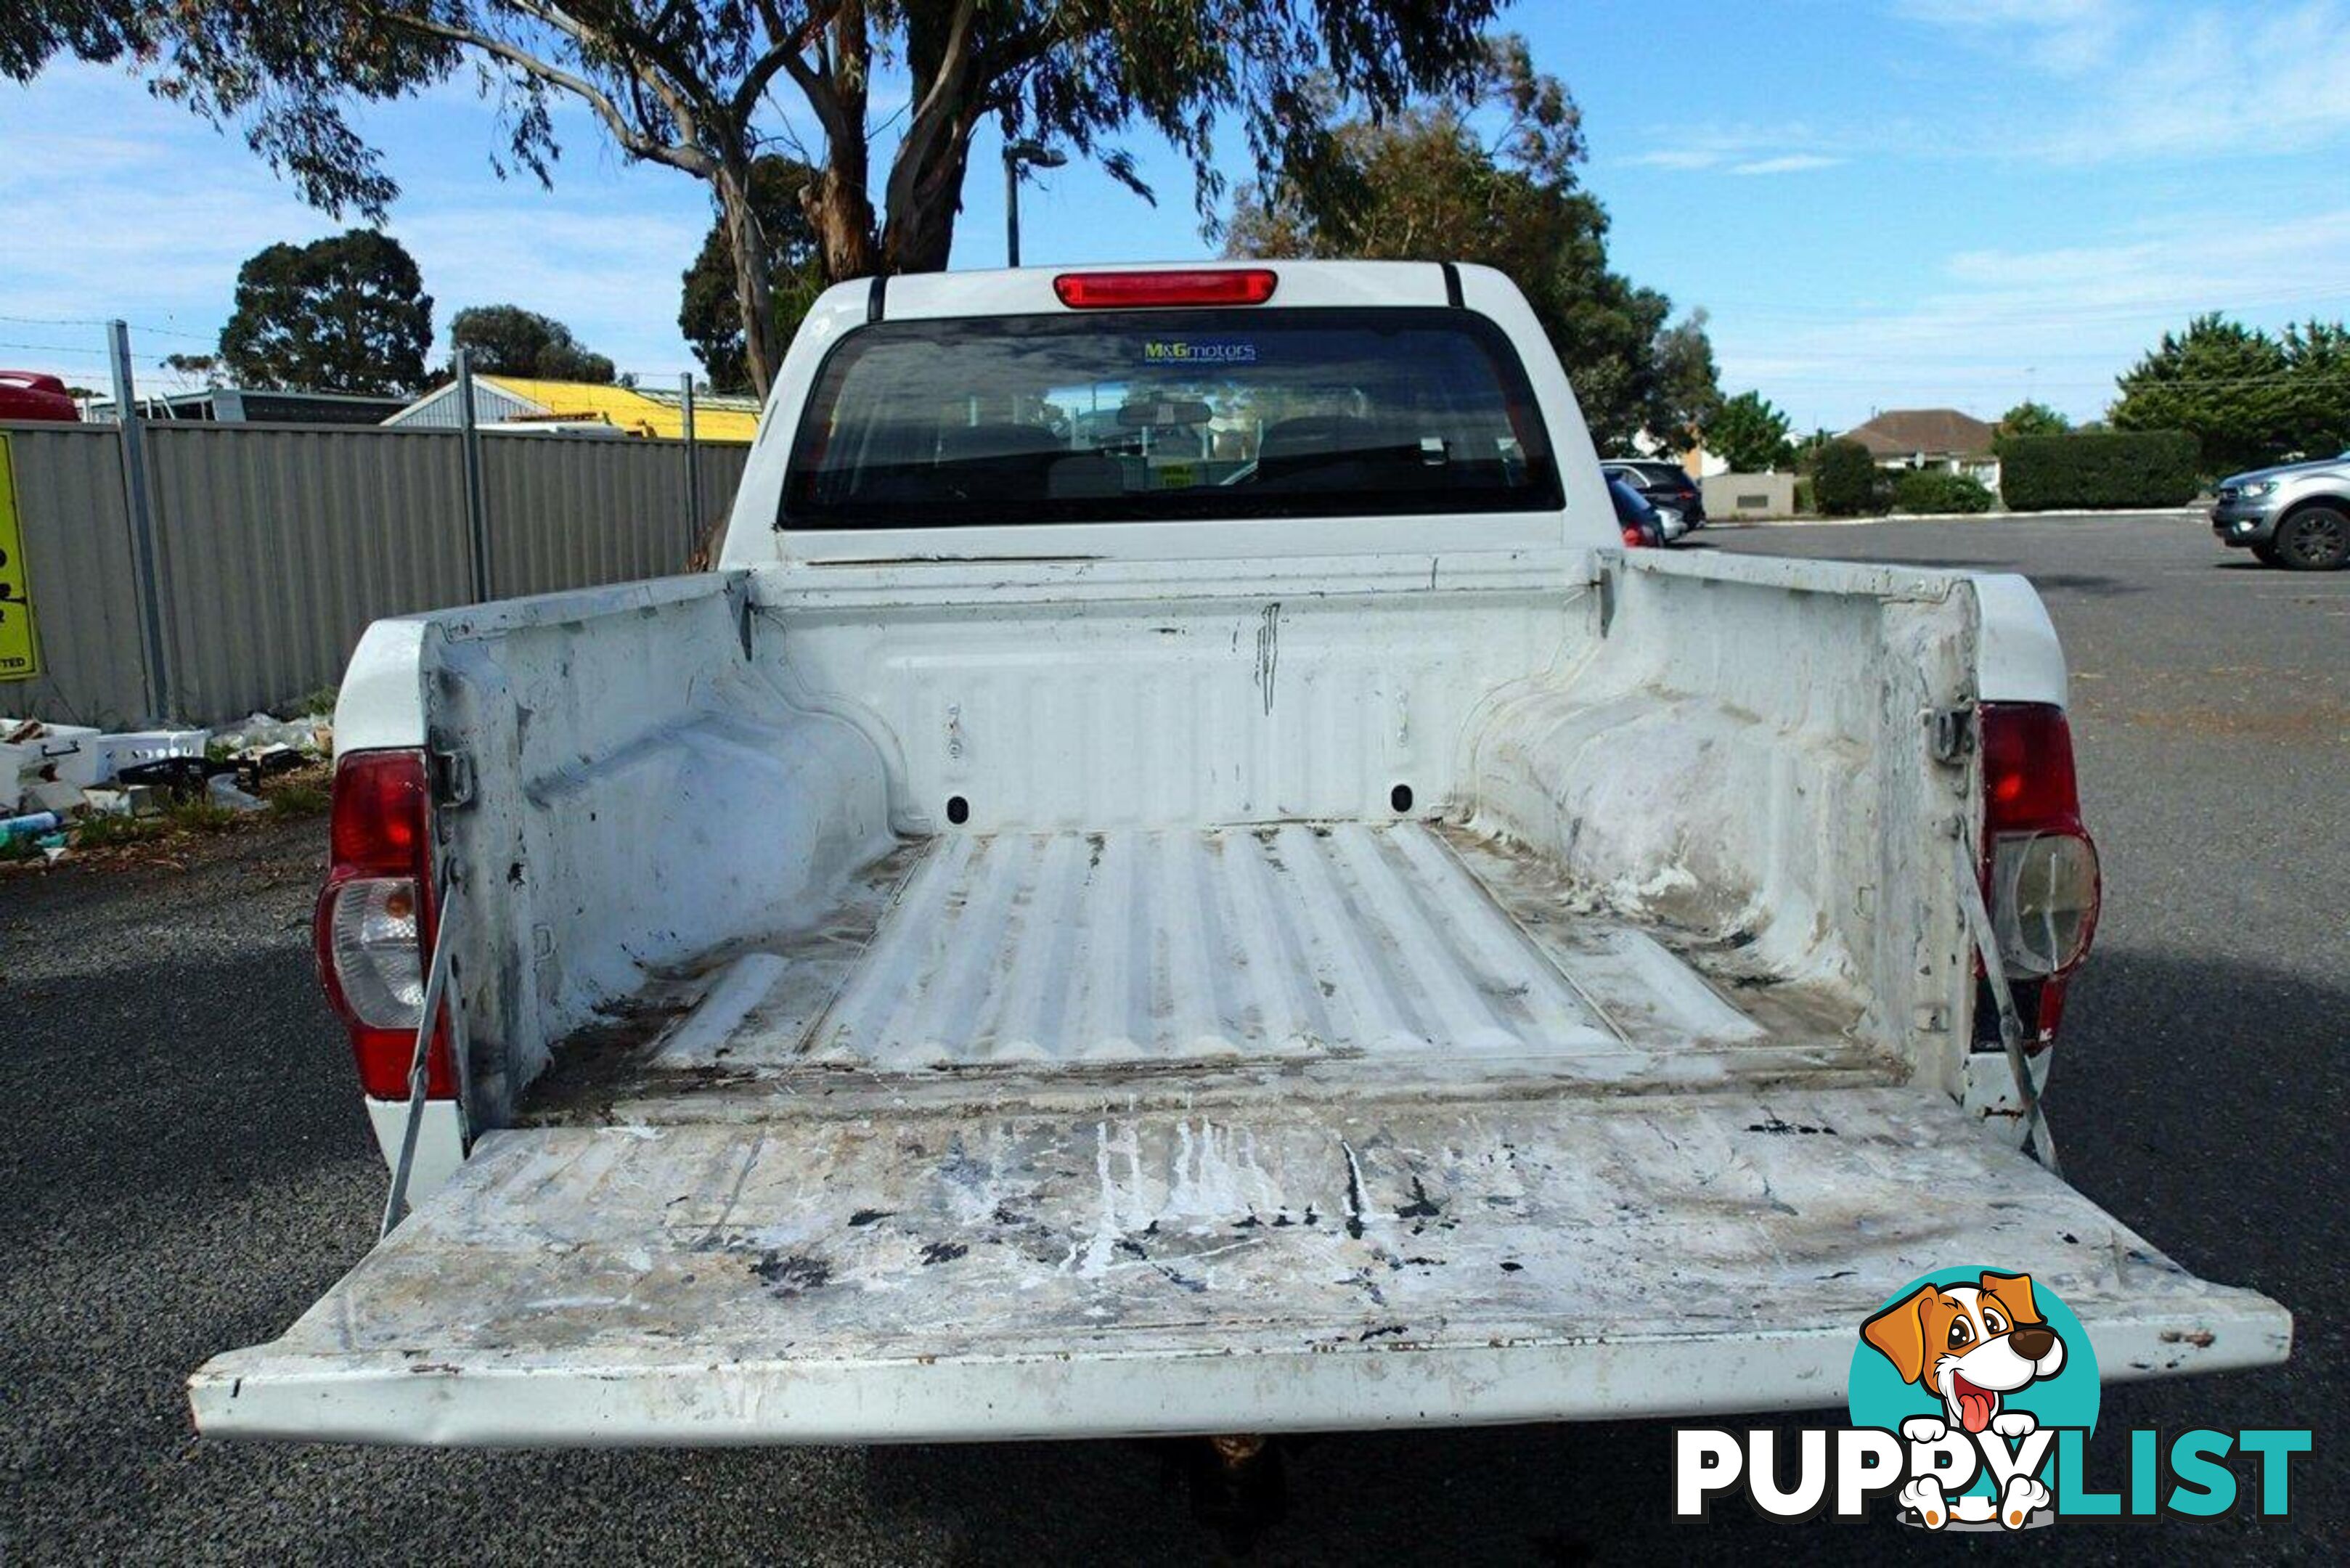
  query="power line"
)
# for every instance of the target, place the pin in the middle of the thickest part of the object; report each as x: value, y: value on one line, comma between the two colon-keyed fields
x: 90, y: 321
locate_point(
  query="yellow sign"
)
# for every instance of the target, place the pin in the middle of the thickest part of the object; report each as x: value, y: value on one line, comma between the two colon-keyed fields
x: 20, y: 654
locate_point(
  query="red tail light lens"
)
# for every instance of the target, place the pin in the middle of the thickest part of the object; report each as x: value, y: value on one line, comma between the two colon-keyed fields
x: 2040, y: 868
x: 1633, y: 539
x: 1141, y: 290
x: 374, y: 925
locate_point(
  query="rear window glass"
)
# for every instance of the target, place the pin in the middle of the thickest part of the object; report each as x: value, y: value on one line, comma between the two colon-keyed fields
x: 1142, y: 416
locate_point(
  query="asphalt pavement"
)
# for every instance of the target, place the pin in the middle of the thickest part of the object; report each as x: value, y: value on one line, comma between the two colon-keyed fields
x: 185, y: 1167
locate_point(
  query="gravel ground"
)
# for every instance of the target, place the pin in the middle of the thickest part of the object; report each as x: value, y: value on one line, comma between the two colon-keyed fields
x: 189, y: 1167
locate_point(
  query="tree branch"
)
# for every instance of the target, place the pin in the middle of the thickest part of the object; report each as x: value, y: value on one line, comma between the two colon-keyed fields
x: 691, y: 158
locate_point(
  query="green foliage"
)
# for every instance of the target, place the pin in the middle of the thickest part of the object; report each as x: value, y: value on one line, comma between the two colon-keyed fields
x: 345, y: 314
x: 2030, y: 418
x: 34, y: 31
x: 1750, y: 434
x: 299, y: 800
x: 2317, y: 417
x: 508, y: 340
x: 1844, y: 479
x: 2227, y: 385
x: 2147, y: 467
x: 709, y: 313
x: 1938, y: 490
x: 1487, y: 175
x: 203, y: 368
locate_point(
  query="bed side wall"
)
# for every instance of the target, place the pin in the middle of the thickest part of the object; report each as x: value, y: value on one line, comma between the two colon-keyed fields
x: 1748, y: 755
x: 643, y: 792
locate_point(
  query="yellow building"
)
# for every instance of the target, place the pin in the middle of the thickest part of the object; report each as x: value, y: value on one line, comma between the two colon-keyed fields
x: 514, y: 402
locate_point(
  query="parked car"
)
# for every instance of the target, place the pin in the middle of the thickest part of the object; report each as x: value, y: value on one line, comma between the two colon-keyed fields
x: 34, y: 395
x: 2295, y: 516
x: 1642, y: 527
x: 1044, y: 943
x: 1667, y: 487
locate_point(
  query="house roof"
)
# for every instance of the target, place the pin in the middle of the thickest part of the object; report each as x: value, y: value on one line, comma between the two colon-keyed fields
x: 641, y: 413
x: 656, y: 413
x: 1940, y: 432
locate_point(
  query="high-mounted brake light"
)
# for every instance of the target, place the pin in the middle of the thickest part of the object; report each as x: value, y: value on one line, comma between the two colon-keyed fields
x: 1139, y: 290
x: 375, y: 919
x: 2039, y: 866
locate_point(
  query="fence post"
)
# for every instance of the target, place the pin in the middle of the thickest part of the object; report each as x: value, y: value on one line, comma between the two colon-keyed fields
x: 139, y: 502
x: 477, y: 521
x: 692, y: 469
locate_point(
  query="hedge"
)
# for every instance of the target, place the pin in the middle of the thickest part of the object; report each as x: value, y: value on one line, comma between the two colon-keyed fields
x: 1844, y: 479
x: 2115, y: 468
x: 1938, y: 490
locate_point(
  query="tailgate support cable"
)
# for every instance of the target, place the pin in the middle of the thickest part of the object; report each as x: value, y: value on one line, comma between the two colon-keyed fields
x: 2010, y: 1023
x: 451, y: 905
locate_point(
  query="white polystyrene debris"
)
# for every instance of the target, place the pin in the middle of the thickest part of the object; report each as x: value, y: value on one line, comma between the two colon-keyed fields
x: 312, y: 734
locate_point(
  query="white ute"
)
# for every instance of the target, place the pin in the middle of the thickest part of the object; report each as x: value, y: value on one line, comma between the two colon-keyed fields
x: 1176, y: 879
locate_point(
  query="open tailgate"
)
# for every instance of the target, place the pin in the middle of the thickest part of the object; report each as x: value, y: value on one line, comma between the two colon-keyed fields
x: 1272, y: 1269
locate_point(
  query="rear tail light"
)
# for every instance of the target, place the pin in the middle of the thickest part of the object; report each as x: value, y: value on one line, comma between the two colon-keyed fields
x: 2040, y: 867
x: 1633, y: 539
x: 374, y: 920
x: 1109, y: 290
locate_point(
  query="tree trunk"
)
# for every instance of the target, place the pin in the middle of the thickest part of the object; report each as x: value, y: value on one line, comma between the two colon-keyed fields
x: 837, y: 203
x: 746, y: 242
x: 842, y: 216
x: 925, y: 195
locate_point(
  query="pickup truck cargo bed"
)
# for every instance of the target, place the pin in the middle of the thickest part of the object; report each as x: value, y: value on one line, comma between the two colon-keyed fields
x: 1366, y: 952
x: 1137, y: 903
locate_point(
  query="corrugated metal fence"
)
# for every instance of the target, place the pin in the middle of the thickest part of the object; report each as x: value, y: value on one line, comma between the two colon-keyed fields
x: 277, y: 544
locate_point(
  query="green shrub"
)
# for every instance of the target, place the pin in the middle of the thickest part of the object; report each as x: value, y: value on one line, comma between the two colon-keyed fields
x: 2116, y: 468
x: 1844, y: 479
x: 1804, y: 504
x: 1938, y: 490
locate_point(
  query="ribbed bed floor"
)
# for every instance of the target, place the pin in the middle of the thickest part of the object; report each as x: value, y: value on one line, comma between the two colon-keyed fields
x: 1291, y: 941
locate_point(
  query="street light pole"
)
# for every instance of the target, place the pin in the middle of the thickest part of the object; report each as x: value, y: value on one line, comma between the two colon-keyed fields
x: 1011, y: 209
x: 1033, y: 154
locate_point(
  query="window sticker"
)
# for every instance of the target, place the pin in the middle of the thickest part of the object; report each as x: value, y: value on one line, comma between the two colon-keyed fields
x: 1198, y: 351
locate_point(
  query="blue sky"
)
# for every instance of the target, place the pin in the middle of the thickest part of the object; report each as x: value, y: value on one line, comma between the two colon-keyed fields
x: 1894, y: 203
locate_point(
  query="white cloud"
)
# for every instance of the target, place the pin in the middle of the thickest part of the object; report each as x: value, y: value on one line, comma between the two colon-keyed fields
x: 2141, y: 84
x: 1740, y: 149
x: 1786, y: 164
x: 1676, y: 158
x: 2059, y: 323
x: 2067, y: 37
x: 126, y: 206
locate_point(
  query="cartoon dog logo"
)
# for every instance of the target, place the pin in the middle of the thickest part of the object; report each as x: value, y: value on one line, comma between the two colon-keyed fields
x: 1971, y: 1345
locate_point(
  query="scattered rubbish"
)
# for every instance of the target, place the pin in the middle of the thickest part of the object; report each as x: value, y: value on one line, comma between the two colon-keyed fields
x: 311, y: 734
x: 68, y: 786
x: 178, y: 775
x: 220, y: 790
x: 49, y: 794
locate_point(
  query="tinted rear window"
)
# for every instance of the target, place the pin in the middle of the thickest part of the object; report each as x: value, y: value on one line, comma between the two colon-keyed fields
x: 1141, y: 416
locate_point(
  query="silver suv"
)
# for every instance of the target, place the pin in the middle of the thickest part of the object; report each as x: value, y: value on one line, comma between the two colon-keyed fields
x: 2296, y: 515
